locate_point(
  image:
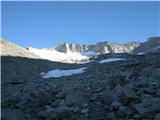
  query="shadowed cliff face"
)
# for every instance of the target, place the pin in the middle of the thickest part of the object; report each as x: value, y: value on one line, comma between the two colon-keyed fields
x: 119, y: 89
x: 152, y: 45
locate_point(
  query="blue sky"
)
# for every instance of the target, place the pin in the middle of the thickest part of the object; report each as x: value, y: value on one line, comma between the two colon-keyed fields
x: 47, y: 24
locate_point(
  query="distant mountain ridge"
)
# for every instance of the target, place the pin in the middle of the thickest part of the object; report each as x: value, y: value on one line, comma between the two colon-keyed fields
x: 151, y: 45
x: 100, y: 47
x: 75, y: 53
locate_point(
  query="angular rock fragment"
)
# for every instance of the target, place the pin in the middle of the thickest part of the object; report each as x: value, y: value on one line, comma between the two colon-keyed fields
x: 111, y: 116
x: 120, y: 114
x: 56, y: 113
x: 114, y: 95
x: 123, y: 109
x: 116, y: 104
x: 119, y: 79
x: 142, y: 108
x: 77, y: 98
x: 129, y: 94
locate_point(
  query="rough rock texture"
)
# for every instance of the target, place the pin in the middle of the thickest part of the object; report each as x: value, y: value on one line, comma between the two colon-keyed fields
x: 100, y: 47
x: 71, y: 48
x: 119, y: 90
x: 108, y: 47
x: 151, y: 45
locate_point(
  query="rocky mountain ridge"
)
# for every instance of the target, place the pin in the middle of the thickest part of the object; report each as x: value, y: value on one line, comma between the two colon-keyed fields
x: 99, y: 48
x: 151, y: 45
x: 76, y: 53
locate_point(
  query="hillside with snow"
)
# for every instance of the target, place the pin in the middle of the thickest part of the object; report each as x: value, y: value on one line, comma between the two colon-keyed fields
x: 54, y: 55
x: 76, y: 53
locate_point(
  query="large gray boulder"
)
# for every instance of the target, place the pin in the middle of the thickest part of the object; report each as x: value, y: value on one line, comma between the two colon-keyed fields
x: 152, y: 106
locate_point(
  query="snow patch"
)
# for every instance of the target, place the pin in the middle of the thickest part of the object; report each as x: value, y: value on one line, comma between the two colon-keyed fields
x: 111, y: 60
x: 60, y: 73
x: 141, y: 53
x: 54, y: 55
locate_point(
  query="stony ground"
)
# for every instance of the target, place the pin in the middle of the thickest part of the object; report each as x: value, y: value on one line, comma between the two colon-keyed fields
x: 120, y: 90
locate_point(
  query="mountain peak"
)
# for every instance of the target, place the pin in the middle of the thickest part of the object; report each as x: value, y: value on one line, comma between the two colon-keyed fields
x: 70, y: 47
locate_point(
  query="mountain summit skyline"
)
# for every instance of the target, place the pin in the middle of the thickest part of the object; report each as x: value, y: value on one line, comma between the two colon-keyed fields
x: 77, y: 53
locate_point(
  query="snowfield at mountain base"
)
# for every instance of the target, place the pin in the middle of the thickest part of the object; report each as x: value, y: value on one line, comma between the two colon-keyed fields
x: 61, y: 73
x: 53, y: 55
x: 111, y: 60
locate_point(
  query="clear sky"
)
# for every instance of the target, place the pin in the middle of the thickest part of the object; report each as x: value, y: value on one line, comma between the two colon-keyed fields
x: 47, y: 24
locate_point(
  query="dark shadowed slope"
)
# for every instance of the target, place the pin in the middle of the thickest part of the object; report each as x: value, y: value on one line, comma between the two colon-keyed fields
x: 152, y: 45
x: 125, y: 89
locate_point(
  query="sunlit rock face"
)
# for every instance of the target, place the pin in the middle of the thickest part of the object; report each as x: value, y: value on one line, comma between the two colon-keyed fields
x: 11, y: 49
x: 66, y: 47
x: 109, y: 47
x: 151, y: 45
x: 100, y: 47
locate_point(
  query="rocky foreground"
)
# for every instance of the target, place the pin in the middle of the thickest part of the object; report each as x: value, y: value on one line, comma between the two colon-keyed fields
x: 128, y: 89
